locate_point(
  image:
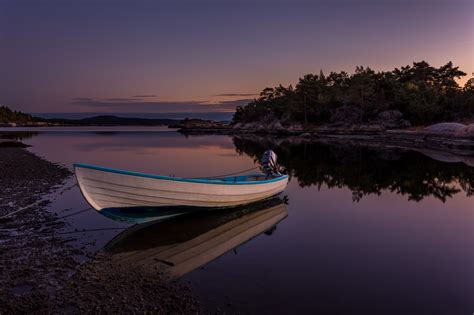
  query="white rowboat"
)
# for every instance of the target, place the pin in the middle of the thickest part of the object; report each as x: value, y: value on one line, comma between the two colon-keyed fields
x: 111, y: 188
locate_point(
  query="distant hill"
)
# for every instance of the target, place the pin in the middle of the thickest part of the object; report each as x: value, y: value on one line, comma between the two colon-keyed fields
x: 9, y: 117
x: 106, y: 120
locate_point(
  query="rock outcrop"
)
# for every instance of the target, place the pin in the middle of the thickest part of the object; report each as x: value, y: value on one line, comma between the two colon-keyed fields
x: 200, y: 124
x: 466, y: 131
x: 445, y: 127
x: 392, y: 119
x: 346, y: 116
x: 268, y: 124
x: 349, y: 118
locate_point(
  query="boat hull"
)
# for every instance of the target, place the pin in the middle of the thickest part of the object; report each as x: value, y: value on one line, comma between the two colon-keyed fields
x: 109, y: 188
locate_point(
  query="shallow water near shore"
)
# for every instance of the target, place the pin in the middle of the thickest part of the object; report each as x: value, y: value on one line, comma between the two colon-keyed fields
x: 366, y: 230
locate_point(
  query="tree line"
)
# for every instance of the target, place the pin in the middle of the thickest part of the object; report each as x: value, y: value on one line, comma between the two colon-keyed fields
x: 422, y: 93
x: 12, y: 116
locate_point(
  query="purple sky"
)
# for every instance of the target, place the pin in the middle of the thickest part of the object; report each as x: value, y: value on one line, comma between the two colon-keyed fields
x: 200, y: 56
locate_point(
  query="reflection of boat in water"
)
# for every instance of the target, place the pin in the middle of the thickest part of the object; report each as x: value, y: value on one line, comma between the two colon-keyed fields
x: 140, y: 215
x: 182, y: 244
x: 111, y: 188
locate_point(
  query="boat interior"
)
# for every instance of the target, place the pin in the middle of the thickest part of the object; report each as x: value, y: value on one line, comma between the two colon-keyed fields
x: 243, y: 178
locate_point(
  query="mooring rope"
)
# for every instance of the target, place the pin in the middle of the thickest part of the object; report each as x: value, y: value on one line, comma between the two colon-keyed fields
x: 74, y: 213
x: 93, y: 230
x: 21, y: 209
x: 35, y: 203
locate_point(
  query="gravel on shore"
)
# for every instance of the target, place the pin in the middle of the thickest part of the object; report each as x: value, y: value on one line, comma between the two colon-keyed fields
x: 103, y: 286
x: 40, y: 271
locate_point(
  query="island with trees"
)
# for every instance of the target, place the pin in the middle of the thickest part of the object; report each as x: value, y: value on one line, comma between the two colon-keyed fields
x: 365, y: 101
x: 417, y: 95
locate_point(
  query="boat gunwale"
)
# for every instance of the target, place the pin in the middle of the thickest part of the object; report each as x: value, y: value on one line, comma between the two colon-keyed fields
x: 180, y: 179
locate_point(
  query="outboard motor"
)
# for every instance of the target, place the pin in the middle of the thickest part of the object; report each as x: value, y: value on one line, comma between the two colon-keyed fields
x: 269, y: 163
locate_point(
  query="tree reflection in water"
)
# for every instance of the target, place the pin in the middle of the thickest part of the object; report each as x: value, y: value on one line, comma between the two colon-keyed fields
x: 364, y: 170
x: 18, y: 135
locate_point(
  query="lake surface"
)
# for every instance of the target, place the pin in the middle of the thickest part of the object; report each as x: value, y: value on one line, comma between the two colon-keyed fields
x: 365, y: 230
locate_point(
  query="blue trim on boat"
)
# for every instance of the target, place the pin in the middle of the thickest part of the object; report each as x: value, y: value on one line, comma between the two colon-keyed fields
x: 233, y: 180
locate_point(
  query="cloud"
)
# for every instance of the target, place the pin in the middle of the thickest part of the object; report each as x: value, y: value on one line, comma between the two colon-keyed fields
x: 120, y: 99
x: 82, y: 99
x: 145, y: 96
x: 235, y: 94
x: 123, y: 104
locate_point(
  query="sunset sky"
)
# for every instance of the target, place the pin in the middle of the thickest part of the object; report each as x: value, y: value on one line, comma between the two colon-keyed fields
x: 208, y: 56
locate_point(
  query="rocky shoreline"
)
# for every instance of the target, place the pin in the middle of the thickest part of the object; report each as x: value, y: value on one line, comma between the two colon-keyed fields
x: 42, y: 272
x: 453, y: 137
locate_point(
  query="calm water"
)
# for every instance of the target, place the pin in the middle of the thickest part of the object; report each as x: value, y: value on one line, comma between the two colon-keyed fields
x: 365, y: 230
